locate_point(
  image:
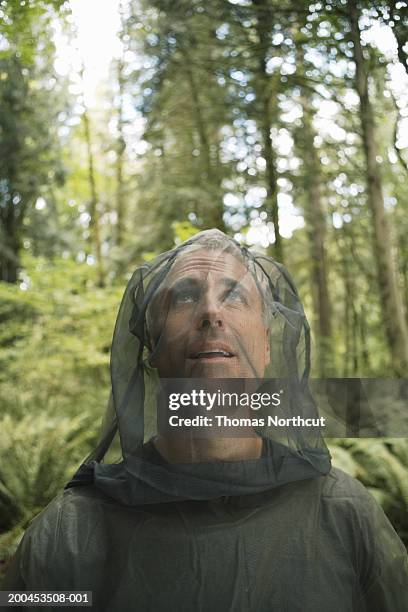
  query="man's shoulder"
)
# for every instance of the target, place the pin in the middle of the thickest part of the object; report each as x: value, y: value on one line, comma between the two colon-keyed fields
x: 334, y: 487
x: 340, y: 485
x: 344, y: 499
x: 83, y: 503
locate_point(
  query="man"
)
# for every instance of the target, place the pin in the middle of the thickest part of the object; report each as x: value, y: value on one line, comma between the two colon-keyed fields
x: 214, y: 327
x: 254, y: 521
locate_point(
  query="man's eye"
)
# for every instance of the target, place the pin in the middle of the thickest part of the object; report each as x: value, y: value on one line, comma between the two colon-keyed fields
x: 234, y: 294
x: 184, y: 297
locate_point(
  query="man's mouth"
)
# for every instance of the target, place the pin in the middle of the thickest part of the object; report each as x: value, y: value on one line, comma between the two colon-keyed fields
x: 212, y: 353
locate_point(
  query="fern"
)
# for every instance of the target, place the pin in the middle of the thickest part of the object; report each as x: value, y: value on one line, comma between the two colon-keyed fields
x: 382, y: 466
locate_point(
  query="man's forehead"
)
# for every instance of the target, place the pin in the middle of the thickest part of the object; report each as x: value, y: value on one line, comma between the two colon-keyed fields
x: 219, y: 268
x: 201, y: 263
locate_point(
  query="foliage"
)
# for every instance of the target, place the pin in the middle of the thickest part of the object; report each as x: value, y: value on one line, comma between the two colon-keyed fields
x: 54, y: 383
x: 382, y: 466
x: 31, y: 99
x: 183, y: 230
x: 55, y: 340
x: 38, y: 455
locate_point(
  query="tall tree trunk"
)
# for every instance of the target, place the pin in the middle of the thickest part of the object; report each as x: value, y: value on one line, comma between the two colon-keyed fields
x: 347, y: 319
x: 365, y: 355
x: 404, y: 269
x: 213, y: 216
x: 263, y: 25
x: 354, y: 331
x: 93, y: 204
x: 11, y: 219
x: 351, y: 357
x: 316, y: 227
x: 121, y: 143
x: 10, y: 247
x: 396, y: 327
x: 120, y: 150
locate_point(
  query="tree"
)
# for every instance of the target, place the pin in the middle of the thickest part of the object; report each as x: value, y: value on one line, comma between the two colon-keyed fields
x: 184, y: 108
x: 397, y: 331
x: 266, y: 99
x: 94, y: 222
x: 121, y: 141
x: 29, y: 107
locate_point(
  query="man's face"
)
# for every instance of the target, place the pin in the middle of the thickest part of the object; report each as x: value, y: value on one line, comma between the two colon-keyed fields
x: 208, y: 320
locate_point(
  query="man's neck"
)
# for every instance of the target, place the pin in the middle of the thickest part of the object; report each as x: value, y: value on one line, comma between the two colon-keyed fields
x: 199, y: 449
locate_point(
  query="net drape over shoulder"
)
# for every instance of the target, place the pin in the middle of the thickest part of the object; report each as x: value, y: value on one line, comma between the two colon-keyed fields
x: 151, y: 297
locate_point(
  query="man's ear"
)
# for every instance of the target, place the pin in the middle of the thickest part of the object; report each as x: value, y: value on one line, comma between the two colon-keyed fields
x: 152, y: 354
x: 267, y: 347
x: 154, y: 349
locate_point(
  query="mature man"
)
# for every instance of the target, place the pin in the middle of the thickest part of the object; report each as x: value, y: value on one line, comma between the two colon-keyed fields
x: 254, y: 520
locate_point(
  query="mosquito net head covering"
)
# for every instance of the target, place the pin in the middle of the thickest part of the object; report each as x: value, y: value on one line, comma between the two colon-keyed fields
x: 208, y: 316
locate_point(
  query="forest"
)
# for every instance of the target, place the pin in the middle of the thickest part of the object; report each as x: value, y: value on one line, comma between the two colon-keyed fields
x: 284, y: 124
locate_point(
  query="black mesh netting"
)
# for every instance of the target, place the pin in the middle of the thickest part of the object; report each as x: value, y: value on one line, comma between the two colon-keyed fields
x: 206, y: 294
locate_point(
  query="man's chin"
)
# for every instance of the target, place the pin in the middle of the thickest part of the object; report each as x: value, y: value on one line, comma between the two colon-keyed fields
x: 214, y: 368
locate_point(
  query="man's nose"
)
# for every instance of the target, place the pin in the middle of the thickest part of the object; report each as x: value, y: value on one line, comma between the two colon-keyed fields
x: 210, y: 313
